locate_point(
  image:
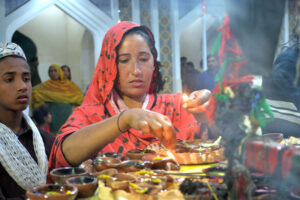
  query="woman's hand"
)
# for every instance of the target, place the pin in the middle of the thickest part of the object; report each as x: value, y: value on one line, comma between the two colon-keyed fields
x: 150, y: 122
x: 197, y: 103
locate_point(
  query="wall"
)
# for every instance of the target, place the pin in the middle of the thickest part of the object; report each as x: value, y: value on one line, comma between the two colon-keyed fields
x: 191, y: 40
x: 61, y: 28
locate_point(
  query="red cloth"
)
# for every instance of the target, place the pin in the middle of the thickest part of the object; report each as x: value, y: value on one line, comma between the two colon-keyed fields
x: 96, y: 106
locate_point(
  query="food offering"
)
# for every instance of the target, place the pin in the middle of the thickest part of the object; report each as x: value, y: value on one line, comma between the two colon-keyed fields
x: 193, y: 152
x: 157, y: 173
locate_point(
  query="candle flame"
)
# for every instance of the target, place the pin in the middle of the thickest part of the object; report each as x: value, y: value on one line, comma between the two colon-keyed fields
x: 185, y: 97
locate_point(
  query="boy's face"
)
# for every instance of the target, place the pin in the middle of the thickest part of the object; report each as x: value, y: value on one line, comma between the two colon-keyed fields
x: 15, y: 84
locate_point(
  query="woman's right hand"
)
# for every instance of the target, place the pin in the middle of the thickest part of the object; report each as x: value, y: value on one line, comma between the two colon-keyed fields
x: 150, y: 122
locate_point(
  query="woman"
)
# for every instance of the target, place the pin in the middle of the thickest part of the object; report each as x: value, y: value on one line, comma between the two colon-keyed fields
x: 61, y: 94
x: 122, y: 110
x: 67, y: 71
x: 23, y: 149
x: 57, y: 89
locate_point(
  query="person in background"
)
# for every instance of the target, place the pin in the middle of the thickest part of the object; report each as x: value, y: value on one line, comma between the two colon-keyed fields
x: 57, y: 89
x: 42, y: 117
x: 61, y: 95
x: 67, y: 71
x: 122, y: 109
x: 183, y: 72
x: 191, y: 78
x: 35, y: 77
x: 23, y: 148
x: 201, y: 65
x: 282, y: 92
x: 207, y: 78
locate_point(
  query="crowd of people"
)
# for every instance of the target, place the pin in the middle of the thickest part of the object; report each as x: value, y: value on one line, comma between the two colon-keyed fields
x: 197, y: 79
x: 122, y: 109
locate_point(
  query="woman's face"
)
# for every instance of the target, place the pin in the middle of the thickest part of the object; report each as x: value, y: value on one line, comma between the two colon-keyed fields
x: 135, y: 67
x: 53, y: 74
x: 66, y: 72
x: 15, y: 84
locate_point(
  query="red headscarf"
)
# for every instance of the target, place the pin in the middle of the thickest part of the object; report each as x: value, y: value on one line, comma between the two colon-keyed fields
x: 107, y: 65
x: 97, y: 104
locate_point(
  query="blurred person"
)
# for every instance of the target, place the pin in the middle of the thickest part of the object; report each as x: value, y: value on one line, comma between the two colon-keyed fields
x: 191, y: 78
x: 35, y: 77
x: 42, y: 117
x: 283, y: 95
x: 183, y: 62
x: 23, y: 148
x: 122, y: 109
x: 207, y: 78
x: 61, y: 94
x: 201, y: 66
x: 67, y: 71
x: 58, y: 89
x: 183, y: 72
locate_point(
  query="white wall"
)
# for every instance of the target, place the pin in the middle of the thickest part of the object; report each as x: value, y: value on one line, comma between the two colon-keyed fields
x: 191, y: 40
x: 58, y: 40
x: 87, y: 59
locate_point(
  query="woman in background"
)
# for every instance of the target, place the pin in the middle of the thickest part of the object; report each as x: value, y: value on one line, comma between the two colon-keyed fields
x: 67, y: 71
x: 61, y: 95
x: 57, y: 89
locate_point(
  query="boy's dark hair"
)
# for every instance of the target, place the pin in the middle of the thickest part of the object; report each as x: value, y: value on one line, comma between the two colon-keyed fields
x: 39, y: 113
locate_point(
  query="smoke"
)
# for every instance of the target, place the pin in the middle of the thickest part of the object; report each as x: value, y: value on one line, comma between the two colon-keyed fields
x: 256, y: 25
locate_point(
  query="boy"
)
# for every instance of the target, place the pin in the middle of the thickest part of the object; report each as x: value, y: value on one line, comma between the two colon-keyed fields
x: 23, y: 149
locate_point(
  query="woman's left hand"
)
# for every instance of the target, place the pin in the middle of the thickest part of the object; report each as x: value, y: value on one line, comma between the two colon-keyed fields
x: 197, y: 103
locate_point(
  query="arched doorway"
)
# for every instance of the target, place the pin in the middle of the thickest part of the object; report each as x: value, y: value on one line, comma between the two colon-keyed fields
x: 59, y: 40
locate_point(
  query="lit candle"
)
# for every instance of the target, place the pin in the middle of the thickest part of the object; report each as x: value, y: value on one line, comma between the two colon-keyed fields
x: 185, y: 97
x: 171, y: 155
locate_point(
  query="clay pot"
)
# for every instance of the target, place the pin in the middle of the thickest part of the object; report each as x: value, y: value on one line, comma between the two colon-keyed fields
x: 60, y: 175
x: 101, y: 163
x: 86, y: 185
x: 120, y: 181
x: 165, y: 164
x: 52, y: 192
x: 107, y: 172
x: 133, y: 166
x: 138, y: 154
x: 111, y: 155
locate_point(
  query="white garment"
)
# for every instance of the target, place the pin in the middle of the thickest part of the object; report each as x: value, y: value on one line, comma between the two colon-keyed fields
x: 17, y: 161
